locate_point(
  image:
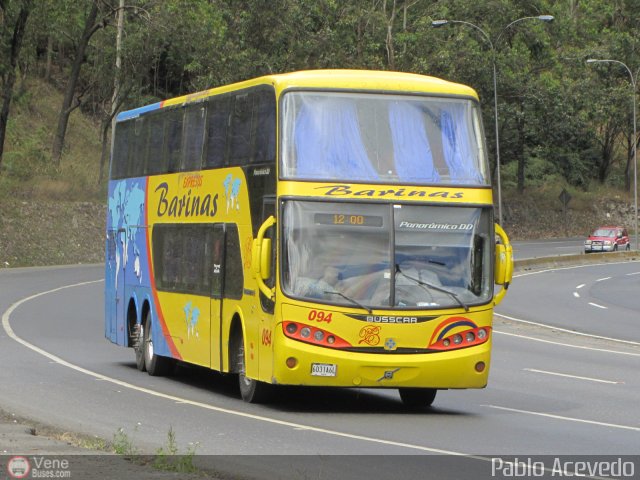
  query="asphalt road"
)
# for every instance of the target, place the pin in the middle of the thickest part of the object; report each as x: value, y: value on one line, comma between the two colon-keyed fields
x: 525, y: 249
x: 551, y: 392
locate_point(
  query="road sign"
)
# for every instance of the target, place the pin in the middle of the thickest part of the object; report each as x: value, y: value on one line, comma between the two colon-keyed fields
x: 565, y: 197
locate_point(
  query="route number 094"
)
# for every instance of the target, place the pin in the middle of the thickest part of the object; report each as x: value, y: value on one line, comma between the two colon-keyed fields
x: 320, y: 316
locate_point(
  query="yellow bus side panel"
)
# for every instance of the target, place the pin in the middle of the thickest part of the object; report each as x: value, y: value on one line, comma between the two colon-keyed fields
x: 208, y: 196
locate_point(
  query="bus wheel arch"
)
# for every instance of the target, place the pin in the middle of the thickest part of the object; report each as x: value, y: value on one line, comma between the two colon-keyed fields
x: 251, y: 390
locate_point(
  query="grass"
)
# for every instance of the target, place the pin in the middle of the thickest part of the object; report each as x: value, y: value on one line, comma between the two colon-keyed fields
x: 49, y: 214
x: 167, y: 458
x: 27, y: 169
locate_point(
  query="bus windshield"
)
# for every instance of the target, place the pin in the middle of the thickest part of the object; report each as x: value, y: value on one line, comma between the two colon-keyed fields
x: 382, y: 138
x: 387, y: 256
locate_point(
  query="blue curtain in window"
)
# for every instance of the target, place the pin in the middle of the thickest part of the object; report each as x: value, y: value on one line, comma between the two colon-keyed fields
x: 328, y: 142
x: 455, y: 144
x: 411, y: 151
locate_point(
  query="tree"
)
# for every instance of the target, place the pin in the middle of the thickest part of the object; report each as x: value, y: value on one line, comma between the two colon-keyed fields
x: 8, y: 71
x: 70, y: 101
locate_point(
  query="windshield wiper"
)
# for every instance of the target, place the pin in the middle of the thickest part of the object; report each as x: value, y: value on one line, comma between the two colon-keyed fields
x: 350, y: 300
x: 434, y: 287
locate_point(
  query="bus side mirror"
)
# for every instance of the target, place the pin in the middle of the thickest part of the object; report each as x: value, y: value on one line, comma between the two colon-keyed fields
x: 265, y: 258
x: 261, y: 258
x: 503, y: 268
x: 500, y: 270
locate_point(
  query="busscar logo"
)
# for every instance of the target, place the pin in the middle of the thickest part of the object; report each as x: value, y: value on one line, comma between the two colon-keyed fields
x: 400, y: 319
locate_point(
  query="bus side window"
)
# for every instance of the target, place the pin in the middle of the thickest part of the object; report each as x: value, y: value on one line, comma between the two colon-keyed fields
x: 156, y: 162
x: 233, y: 272
x: 215, y: 242
x: 121, y: 150
x: 264, y: 138
x: 240, y: 130
x: 138, y: 148
x: 194, y: 121
x: 192, y: 259
x: 173, y: 140
x: 218, y: 112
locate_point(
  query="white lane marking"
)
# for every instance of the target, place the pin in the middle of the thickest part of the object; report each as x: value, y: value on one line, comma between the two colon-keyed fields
x: 589, y: 335
x: 537, y: 272
x: 580, y: 286
x: 631, y: 274
x: 576, y: 377
x: 568, y: 345
x: 576, y: 294
x: 567, y: 419
x: 7, y: 327
x: 598, y: 306
x: 603, y: 279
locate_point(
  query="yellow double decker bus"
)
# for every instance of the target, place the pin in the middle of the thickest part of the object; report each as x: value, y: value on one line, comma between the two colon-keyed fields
x: 318, y: 228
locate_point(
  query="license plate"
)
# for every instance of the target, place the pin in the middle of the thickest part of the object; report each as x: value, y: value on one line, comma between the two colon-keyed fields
x: 323, y: 369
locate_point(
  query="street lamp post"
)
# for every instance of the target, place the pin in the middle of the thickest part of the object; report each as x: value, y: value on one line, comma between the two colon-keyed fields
x: 635, y: 140
x: 485, y: 36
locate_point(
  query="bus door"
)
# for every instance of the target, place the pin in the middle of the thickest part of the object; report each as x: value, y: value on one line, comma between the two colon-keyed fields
x: 266, y: 317
x: 217, y: 243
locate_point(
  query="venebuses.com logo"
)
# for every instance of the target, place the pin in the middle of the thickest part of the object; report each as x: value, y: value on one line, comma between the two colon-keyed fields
x: 38, y: 467
x: 18, y: 467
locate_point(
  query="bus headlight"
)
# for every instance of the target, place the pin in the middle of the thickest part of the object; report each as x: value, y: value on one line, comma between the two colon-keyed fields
x: 291, y: 328
x: 312, y: 335
x: 464, y: 339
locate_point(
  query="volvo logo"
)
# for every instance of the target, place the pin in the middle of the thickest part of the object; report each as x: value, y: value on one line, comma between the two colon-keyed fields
x: 388, y: 375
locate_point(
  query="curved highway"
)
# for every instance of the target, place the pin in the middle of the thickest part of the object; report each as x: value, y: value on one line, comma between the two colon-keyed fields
x: 551, y: 391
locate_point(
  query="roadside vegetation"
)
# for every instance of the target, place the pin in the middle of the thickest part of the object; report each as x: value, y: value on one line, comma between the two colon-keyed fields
x: 66, y: 67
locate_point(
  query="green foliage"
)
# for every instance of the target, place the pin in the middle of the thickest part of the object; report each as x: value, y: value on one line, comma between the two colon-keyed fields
x: 558, y: 116
x: 123, y: 444
x: 168, y: 457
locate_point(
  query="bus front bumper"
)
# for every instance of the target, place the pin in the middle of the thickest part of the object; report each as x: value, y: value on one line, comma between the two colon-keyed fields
x: 318, y: 366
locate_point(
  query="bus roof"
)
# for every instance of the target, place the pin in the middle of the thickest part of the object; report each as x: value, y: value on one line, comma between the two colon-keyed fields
x: 326, y: 79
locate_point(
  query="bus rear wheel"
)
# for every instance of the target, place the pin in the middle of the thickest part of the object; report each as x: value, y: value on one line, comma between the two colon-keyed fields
x: 156, y: 365
x: 417, y: 397
x: 138, y: 346
x: 251, y: 391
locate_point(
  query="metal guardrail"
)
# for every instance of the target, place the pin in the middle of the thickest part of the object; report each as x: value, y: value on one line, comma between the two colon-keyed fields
x: 539, y: 263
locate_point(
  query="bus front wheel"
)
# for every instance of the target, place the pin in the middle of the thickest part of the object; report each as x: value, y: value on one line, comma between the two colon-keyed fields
x: 417, y: 397
x: 251, y: 391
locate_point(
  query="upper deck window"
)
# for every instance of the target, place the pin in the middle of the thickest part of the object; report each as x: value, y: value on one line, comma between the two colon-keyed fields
x: 335, y: 136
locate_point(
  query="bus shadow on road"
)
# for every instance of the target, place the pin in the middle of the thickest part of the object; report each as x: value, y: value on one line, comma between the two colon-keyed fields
x: 294, y: 399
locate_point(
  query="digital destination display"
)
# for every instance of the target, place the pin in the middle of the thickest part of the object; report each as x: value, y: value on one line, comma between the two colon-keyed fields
x: 348, y: 219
